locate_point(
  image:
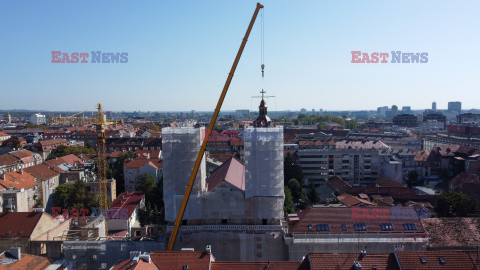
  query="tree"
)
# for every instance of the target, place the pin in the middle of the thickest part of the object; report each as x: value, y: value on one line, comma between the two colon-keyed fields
x: 412, y: 178
x: 296, y: 189
x: 291, y: 168
x: 70, y: 196
x: 288, y: 204
x: 313, y: 195
x: 457, y: 204
x: 64, y: 150
x: 146, y: 183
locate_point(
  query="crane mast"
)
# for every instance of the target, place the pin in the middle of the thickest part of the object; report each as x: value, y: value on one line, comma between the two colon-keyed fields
x: 99, y: 122
x: 188, y: 190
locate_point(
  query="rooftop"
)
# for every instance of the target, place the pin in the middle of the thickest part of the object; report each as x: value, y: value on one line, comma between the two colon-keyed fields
x: 18, y: 224
x: 232, y: 171
x: 126, y: 200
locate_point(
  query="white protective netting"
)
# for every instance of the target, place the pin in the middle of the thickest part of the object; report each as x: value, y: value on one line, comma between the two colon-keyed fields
x: 180, y: 148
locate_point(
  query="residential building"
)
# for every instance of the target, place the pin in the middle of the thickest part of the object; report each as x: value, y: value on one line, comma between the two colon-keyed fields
x: 48, y: 180
x: 3, y: 137
x: 405, y: 120
x: 132, y: 169
x: 18, y: 159
x: 123, y: 212
x: 355, y: 166
x: 354, y: 229
x: 18, y: 192
x: 455, y: 106
x: 38, y: 119
x: 19, y: 229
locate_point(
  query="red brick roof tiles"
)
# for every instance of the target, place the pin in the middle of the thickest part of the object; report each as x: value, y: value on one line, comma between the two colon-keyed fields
x: 277, y: 265
x: 232, y: 171
x: 338, y: 184
x: 18, y: 224
x: 372, y: 217
x: 452, y: 231
x: 196, y: 260
x: 329, y: 261
x: 454, y: 259
x: 41, y: 171
x: 126, y: 200
x: 18, y: 180
x: 385, y: 181
x: 27, y: 261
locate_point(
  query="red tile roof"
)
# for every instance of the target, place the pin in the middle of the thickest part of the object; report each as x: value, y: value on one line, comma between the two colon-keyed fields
x: 195, y: 260
x: 126, y: 200
x: 3, y: 134
x: 372, y: 217
x: 141, y: 161
x: 232, y: 171
x: 452, y: 231
x: 41, y: 171
x: 338, y: 184
x: 27, y: 261
x: 8, y: 160
x: 18, y: 180
x: 72, y: 159
x: 350, y: 200
x: 276, y: 265
x: 18, y: 224
x: 385, y: 181
x: 327, y: 261
x: 463, y: 177
x: 397, y: 193
x: 454, y: 259
x: 131, y: 265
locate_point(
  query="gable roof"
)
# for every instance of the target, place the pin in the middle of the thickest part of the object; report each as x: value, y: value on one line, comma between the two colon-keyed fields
x: 464, y: 177
x: 350, y: 200
x: 338, y: 184
x: 232, y: 171
x: 72, y: 159
x: 141, y: 161
x: 126, y: 200
x: 329, y: 261
x: 27, y: 261
x: 18, y: 180
x: 8, y: 160
x: 41, y: 171
x: 335, y: 217
x: 454, y: 259
x: 385, y: 181
x: 18, y: 224
x: 272, y: 265
x: 196, y: 260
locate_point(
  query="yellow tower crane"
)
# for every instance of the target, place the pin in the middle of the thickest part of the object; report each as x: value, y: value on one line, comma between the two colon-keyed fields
x: 100, y: 121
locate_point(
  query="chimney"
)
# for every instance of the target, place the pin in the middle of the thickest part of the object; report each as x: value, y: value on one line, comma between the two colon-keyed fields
x: 21, y: 171
x: 16, y: 252
x: 185, y: 267
x: 363, y: 254
x: 209, y: 248
x: 357, y: 265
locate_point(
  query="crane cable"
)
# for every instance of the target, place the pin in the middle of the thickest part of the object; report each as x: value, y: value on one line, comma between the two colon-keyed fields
x: 262, y: 44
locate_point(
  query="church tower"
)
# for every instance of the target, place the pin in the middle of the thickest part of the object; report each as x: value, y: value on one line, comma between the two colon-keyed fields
x: 264, y: 192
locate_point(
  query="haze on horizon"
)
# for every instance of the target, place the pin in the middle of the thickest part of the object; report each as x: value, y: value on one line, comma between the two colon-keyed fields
x: 179, y: 54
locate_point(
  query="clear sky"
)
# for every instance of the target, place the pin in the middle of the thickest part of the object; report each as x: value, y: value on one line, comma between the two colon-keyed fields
x: 180, y: 52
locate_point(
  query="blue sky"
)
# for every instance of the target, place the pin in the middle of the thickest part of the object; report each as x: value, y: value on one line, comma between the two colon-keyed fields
x: 180, y: 52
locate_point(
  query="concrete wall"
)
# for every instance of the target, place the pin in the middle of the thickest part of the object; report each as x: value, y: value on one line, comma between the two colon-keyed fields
x: 236, y: 245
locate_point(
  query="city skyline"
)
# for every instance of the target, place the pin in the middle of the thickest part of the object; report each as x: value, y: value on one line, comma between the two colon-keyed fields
x: 179, y: 55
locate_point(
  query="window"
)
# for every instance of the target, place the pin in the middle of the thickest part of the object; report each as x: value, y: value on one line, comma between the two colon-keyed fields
x: 410, y: 226
x: 323, y: 227
x: 310, y: 228
x: 442, y: 260
x: 360, y: 227
x: 423, y: 260
x: 387, y: 227
x: 344, y: 227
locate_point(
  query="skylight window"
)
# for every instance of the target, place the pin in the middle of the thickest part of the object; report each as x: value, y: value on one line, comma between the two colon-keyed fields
x: 360, y: 227
x: 410, y: 226
x: 387, y: 227
x: 323, y: 227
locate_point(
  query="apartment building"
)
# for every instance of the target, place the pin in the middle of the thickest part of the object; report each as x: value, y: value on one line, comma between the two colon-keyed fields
x: 355, y: 166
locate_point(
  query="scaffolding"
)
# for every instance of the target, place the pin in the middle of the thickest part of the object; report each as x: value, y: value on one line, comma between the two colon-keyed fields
x: 180, y: 147
x: 264, y: 172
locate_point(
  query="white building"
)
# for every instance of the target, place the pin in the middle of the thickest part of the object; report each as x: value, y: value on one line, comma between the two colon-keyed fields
x: 38, y: 119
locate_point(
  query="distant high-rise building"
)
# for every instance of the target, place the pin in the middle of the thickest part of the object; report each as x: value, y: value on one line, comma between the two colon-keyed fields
x: 434, y: 106
x: 38, y: 119
x: 394, y: 110
x: 303, y: 110
x: 406, y: 110
x: 382, y: 110
x: 455, y: 106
